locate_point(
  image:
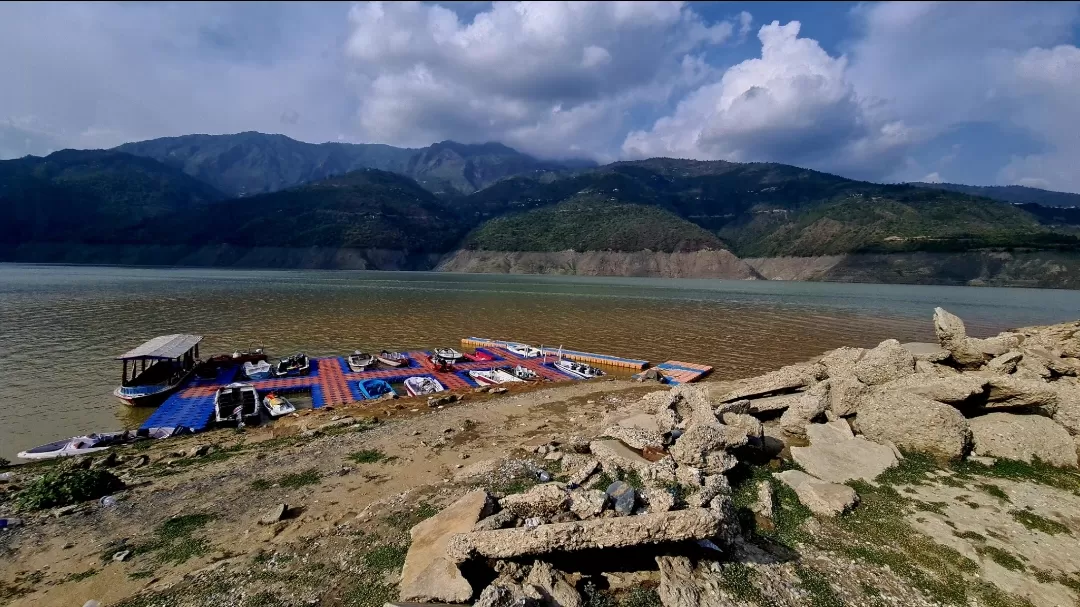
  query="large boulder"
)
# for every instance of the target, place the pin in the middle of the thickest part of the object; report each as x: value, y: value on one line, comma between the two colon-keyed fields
x: 1011, y: 392
x: 682, y: 584
x: 810, y: 405
x: 785, y: 379
x: 925, y: 351
x: 1005, y: 363
x: 642, y: 529
x: 954, y: 390
x: 845, y: 394
x: 551, y: 587
x: 841, y: 361
x: 952, y: 335
x: 773, y: 404
x: 1024, y: 438
x: 914, y: 423
x: 544, y: 500
x: 888, y: 361
x: 747, y: 423
x: 700, y: 439
x: 1067, y: 411
x: 429, y: 575
x: 614, y: 455
x: 635, y: 436
x: 837, y: 456
x: 821, y: 497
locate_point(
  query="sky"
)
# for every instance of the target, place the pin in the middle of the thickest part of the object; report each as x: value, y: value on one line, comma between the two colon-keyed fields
x: 966, y: 92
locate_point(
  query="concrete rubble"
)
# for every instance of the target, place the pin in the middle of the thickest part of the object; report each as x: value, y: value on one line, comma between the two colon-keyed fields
x: 656, y: 477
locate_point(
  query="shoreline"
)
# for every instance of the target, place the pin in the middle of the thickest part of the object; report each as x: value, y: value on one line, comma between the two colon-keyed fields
x: 192, y: 526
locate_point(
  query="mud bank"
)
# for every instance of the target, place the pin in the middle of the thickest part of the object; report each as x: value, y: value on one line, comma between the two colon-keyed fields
x: 697, y: 264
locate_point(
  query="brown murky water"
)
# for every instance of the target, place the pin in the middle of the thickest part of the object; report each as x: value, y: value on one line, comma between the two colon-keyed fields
x: 61, y: 326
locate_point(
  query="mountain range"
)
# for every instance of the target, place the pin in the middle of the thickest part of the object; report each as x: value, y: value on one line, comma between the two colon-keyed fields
x: 266, y: 200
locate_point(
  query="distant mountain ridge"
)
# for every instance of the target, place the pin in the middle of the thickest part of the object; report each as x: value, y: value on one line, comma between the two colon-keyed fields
x: 251, y: 163
x: 1016, y: 194
x: 650, y: 215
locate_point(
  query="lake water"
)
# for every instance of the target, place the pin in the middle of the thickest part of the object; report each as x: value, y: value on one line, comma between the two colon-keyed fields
x: 62, y: 326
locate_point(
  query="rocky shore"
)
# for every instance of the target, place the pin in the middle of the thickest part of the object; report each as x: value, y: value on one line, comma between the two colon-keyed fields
x: 902, y: 474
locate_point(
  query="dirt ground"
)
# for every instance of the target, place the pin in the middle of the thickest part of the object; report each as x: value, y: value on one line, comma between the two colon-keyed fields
x: 191, y: 526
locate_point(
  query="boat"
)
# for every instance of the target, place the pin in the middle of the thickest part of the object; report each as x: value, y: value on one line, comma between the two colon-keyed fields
x: 420, y: 385
x: 297, y: 364
x: 236, y: 402
x: 441, y: 364
x: 392, y: 359
x: 375, y: 388
x: 259, y: 370
x: 360, y: 361
x: 525, y: 351
x: 492, y: 377
x: 579, y: 370
x: 158, y: 368
x: 448, y: 354
x: 92, y: 443
x: 209, y: 368
x: 277, y: 405
x: 525, y: 373
x: 481, y: 356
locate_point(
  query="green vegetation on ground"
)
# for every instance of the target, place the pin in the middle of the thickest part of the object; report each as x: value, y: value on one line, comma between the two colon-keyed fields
x: 64, y: 487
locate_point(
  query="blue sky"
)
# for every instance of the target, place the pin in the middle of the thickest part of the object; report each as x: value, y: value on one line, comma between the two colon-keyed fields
x: 981, y: 93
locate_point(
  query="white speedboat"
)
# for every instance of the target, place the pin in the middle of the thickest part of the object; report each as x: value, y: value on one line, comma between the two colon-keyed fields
x: 277, y: 405
x: 295, y: 365
x: 525, y: 374
x: 236, y: 402
x: 492, y: 377
x: 525, y: 351
x: 257, y: 370
x: 579, y: 370
x: 447, y: 354
x: 392, y: 359
x: 360, y: 361
x: 417, y: 386
x: 92, y: 443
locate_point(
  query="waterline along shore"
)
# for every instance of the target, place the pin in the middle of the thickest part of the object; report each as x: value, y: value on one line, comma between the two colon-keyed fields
x: 940, y: 473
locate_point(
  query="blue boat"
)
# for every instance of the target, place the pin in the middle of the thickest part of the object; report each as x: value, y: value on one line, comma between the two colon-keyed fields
x: 375, y: 388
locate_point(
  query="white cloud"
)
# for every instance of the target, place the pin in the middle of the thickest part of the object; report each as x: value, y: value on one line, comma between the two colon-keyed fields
x: 421, y: 74
x: 932, y: 178
x: 794, y: 104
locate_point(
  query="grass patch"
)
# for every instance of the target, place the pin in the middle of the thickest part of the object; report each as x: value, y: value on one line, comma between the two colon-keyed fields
x: 1001, y: 557
x: 385, y: 558
x: 173, y: 541
x: 264, y: 599
x: 366, y: 593
x: 789, y: 513
x: 370, y: 456
x: 1038, y: 523
x: 970, y: 535
x: 602, y: 482
x: 296, y: 480
x: 82, y: 575
x: 403, y: 521
x: 1036, y: 472
x: 739, y: 580
x: 641, y: 597
x: 64, y: 487
x: 817, y: 585
x: 994, y: 490
x: 141, y: 574
x: 261, y: 484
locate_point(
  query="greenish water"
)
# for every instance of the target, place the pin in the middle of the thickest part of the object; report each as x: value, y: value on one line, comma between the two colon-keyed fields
x: 61, y: 326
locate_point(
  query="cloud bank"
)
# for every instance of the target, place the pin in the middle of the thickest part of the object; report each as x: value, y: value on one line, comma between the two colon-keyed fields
x: 893, y: 94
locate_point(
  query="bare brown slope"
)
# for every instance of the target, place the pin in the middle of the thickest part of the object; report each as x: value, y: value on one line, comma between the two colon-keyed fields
x: 694, y: 264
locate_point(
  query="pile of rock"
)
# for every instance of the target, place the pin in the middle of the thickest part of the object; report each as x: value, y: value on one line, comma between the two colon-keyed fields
x: 655, y: 477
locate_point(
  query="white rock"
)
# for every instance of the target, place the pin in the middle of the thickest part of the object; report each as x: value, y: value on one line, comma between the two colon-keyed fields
x: 822, y: 498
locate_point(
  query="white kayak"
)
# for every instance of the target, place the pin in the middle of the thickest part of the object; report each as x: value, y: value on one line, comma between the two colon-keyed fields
x: 492, y: 377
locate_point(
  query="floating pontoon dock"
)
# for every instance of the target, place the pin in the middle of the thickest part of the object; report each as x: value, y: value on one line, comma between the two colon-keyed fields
x: 582, y: 357
x: 331, y: 382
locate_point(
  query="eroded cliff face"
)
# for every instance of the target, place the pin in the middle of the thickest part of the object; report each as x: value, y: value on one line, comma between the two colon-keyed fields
x: 696, y: 264
x: 1042, y: 269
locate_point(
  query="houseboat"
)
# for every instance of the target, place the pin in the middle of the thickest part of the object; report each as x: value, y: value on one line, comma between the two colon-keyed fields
x: 157, y: 368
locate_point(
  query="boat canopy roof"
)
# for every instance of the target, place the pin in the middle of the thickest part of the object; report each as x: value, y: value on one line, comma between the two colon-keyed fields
x: 163, y: 347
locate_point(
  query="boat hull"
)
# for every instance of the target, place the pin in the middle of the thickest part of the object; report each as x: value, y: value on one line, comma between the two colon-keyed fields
x: 391, y: 362
x: 151, y: 399
x: 375, y: 388
x: 412, y: 390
